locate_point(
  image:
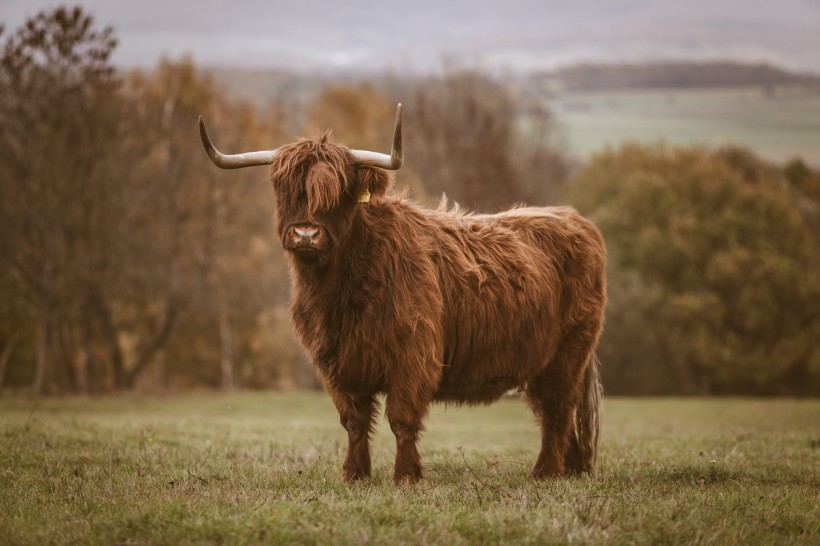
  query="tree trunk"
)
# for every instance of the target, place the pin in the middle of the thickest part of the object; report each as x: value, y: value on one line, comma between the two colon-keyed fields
x: 82, y: 357
x: 160, y: 381
x: 65, y: 373
x: 43, y: 357
x: 152, y: 347
x: 218, y: 258
x: 8, y: 350
x: 112, y: 342
x: 81, y: 366
x: 226, y: 347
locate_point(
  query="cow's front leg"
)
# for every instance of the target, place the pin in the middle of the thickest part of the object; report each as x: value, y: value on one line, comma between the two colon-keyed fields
x: 356, y: 413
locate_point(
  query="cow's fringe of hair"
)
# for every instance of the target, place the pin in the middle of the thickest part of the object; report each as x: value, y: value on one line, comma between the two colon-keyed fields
x: 588, y: 415
x: 452, y: 208
x: 448, y: 206
x: 318, y: 165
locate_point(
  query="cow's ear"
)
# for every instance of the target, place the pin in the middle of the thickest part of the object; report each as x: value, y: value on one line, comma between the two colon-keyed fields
x: 373, y: 180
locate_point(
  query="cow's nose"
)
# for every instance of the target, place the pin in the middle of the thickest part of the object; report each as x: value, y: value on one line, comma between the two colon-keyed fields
x: 306, y: 232
x: 305, y: 235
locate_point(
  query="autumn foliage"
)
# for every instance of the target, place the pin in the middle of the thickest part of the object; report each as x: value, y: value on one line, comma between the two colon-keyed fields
x: 127, y: 261
x: 714, y: 271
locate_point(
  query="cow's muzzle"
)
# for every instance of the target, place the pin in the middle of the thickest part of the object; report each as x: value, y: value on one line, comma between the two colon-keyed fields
x: 306, y: 238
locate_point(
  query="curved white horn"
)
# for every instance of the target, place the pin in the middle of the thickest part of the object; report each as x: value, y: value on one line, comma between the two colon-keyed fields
x: 235, y: 161
x: 390, y: 162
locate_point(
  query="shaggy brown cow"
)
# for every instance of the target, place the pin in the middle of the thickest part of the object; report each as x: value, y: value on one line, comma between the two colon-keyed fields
x: 425, y: 305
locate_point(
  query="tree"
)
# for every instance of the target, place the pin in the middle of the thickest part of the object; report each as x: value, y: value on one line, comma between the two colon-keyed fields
x: 465, y: 138
x: 726, y: 269
x: 72, y: 166
x: 58, y: 125
x: 122, y: 247
x: 212, y: 227
x: 361, y: 115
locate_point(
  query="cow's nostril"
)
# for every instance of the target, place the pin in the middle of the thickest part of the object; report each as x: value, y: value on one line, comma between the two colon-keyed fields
x: 306, y: 232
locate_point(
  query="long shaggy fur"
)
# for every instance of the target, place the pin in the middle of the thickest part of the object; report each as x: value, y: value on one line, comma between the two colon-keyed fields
x: 295, y: 178
x: 588, y: 415
x: 425, y: 305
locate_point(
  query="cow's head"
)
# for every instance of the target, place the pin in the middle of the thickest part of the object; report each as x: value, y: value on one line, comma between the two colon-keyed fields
x: 318, y: 186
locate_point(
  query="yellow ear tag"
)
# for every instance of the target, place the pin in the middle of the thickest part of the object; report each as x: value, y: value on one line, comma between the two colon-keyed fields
x: 365, y: 196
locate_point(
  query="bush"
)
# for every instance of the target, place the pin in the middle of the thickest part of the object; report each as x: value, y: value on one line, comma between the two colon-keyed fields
x: 713, y: 272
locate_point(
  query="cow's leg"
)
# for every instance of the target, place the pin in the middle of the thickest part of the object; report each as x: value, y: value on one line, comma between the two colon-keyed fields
x: 406, y: 423
x: 573, y: 463
x: 357, y: 414
x: 553, y: 395
x: 405, y: 413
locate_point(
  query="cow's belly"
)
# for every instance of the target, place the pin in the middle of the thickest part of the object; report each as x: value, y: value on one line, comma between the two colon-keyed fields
x: 480, y: 366
x: 488, y: 389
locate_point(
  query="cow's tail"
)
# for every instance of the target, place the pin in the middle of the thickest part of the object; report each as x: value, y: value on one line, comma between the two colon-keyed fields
x: 588, y: 415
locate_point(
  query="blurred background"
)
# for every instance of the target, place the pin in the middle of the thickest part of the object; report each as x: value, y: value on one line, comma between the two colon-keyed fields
x: 690, y: 133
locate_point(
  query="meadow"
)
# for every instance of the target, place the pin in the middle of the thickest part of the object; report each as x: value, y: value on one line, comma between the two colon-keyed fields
x: 778, y: 123
x: 264, y: 468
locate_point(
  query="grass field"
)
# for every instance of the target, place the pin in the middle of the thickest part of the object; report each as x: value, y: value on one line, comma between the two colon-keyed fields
x: 779, y: 124
x: 265, y: 468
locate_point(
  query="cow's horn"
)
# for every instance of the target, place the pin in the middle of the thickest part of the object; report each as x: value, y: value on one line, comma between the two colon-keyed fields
x: 235, y: 161
x: 390, y: 162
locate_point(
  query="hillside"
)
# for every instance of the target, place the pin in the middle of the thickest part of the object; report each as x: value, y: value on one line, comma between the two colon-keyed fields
x: 261, y: 86
x: 778, y: 122
x: 670, y: 75
x: 767, y: 108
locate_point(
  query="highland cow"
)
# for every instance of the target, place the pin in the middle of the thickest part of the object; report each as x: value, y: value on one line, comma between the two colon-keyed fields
x: 426, y: 305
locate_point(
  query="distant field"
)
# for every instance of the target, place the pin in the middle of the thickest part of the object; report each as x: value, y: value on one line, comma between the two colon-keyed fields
x: 779, y: 124
x: 264, y: 468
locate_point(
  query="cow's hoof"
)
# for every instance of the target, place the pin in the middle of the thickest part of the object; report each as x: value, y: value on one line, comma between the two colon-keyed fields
x: 406, y: 479
x: 354, y: 475
x: 543, y: 473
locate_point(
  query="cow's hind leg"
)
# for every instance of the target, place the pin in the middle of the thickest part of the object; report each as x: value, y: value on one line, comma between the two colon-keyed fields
x: 554, y: 395
x: 357, y: 415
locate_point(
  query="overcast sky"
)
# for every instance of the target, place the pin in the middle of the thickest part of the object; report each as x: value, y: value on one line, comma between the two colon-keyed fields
x: 515, y: 34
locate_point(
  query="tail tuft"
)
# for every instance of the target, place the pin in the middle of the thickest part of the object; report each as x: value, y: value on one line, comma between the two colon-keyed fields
x: 588, y: 415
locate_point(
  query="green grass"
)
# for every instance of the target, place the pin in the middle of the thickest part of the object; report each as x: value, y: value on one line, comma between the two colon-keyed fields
x: 779, y: 125
x: 265, y: 468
